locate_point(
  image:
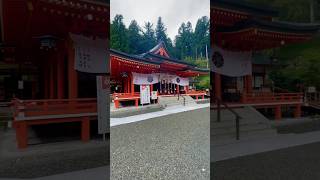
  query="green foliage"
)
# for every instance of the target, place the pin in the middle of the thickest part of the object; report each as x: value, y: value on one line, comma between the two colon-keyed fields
x: 118, y: 37
x: 136, y: 40
x: 301, y: 65
x: 201, y: 82
x: 291, y: 10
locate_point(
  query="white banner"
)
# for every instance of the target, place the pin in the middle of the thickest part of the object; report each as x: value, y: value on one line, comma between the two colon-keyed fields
x: 103, y: 104
x: 180, y: 81
x: 230, y: 63
x: 144, y: 94
x: 91, y: 55
x: 145, y: 79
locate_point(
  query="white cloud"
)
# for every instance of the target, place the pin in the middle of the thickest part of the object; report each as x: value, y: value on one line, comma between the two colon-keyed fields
x: 173, y: 12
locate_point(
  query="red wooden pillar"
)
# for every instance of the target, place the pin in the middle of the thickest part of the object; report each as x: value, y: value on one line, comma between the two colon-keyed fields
x: 129, y: 84
x: 46, y: 82
x: 248, y: 83
x: 132, y: 86
x: 187, y: 89
x: 217, y: 85
x: 178, y: 89
x: 277, y: 112
x: 51, y: 80
x: 72, y: 73
x: 116, y: 104
x: 297, y: 111
x: 22, y: 134
x: 60, y: 77
x: 85, y: 129
x: 124, y: 82
x: 34, y: 89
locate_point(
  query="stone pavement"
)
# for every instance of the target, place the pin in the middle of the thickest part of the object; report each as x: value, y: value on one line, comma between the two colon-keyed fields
x: 174, y: 146
x: 253, y: 146
x: 101, y: 173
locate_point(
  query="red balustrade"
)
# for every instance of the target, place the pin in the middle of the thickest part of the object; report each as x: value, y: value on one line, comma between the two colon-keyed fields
x: 272, y: 97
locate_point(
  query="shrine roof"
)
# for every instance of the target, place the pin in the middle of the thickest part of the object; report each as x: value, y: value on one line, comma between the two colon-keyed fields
x: 160, y: 45
x: 163, y: 58
x: 278, y: 26
x: 244, y: 7
x: 133, y: 57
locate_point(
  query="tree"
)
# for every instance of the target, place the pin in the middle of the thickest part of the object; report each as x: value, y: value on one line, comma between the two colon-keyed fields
x: 161, y: 31
x: 118, y: 37
x: 134, y: 38
x: 202, y: 36
x: 184, y: 41
x: 148, y: 38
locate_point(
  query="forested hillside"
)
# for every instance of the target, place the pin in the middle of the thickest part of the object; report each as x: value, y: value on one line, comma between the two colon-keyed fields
x: 300, y: 63
x: 188, y: 43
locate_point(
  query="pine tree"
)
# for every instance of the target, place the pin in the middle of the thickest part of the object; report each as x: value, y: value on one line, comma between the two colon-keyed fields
x: 118, y: 37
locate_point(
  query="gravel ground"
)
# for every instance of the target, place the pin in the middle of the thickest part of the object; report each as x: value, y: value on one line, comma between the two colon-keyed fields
x: 294, y: 163
x: 41, y: 163
x: 169, y: 147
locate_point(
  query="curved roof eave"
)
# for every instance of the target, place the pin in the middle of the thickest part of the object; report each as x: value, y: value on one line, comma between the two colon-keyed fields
x: 279, y: 26
x: 134, y: 57
x: 245, y: 7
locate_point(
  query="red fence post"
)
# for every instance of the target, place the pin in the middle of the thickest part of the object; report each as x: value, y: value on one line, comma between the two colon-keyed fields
x: 85, y: 129
x: 277, y: 112
x: 21, y: 134
x: 297, y: 112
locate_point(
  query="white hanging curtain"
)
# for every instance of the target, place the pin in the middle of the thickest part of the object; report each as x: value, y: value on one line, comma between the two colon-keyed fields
x: 180, y: 81
x: 234, y: 64
x: 145, y: 79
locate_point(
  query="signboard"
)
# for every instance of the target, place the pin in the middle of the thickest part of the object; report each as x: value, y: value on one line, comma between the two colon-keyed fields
x: 311, y: 89
x: 154, y: 95
x: 103, y: 104
x: 91, y: 55
x: 20, y: 84
x: 144, y: 94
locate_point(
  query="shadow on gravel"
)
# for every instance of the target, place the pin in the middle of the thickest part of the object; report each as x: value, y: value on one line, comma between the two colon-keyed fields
x: 294, y: 163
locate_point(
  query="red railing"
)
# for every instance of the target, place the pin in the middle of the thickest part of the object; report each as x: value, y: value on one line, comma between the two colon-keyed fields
x: 193, y: 93
x: 125, y: 95
x: 32, y: 108
x: 272, y: 97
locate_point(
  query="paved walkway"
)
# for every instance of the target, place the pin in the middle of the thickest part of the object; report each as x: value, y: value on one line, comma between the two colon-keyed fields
x: 294, y: 163
x: 248, y: 147
x: 88, y: 174
x: 165, y: 112
x: 174, y: 146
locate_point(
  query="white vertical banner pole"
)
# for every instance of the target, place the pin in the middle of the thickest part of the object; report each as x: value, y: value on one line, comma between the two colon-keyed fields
x: 103, y: 104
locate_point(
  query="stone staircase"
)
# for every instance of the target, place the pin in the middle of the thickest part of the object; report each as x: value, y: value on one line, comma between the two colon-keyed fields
x: 167, y: 101
x: 252, y: 125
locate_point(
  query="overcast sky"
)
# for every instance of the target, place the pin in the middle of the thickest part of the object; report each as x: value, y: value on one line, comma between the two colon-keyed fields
x: 173, y: 12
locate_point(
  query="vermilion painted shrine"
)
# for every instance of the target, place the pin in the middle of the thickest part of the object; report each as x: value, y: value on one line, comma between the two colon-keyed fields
x: 239, y: 26
x: 167, y: 70
x: 38, y: 58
